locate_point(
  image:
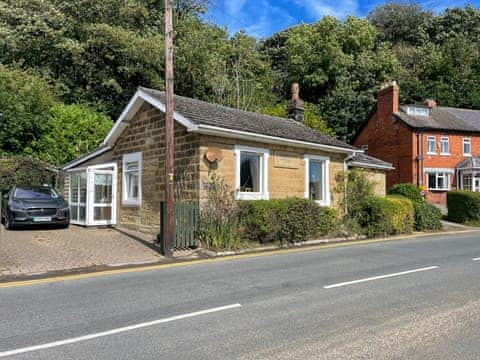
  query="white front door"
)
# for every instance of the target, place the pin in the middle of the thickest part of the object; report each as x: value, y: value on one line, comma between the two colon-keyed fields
x: 102, y: 197
x: 476, y: 184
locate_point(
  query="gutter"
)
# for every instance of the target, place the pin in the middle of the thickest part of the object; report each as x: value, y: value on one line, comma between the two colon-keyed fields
x: 371, y: 166
x: 249, y: 136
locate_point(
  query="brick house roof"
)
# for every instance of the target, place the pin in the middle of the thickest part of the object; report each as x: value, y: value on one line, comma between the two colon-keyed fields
x: 204, y: 113
x: 443, y: 118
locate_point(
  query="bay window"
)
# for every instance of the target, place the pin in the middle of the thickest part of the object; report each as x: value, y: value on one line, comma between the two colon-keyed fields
x: 251, y: 178
x: 132, y: 179
x: 317, y: 179
x: 439, y: 181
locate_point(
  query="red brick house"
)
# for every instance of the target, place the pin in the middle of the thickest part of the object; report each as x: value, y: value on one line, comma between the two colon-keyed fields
x: 431, y: 146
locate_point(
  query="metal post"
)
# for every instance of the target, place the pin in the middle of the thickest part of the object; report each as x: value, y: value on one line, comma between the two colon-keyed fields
x: 169, y: 141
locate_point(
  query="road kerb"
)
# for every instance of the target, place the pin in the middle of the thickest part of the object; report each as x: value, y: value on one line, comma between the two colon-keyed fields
x: 279, y: 251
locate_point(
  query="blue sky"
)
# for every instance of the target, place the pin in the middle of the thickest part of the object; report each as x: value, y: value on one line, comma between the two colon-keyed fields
x: 262, y: 18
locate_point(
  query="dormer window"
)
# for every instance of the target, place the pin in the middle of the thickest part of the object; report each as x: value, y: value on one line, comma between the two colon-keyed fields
x: 418, y: 111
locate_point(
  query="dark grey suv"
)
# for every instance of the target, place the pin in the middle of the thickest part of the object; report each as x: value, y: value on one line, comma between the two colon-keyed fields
x: 34, y: 205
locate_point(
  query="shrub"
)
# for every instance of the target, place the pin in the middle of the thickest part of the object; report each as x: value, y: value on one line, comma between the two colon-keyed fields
x: 388, y: 216
x: 410, y: 191
x: 463, y: 206
x: 427, y: 216
x: 285, y: 220
x: 219, y: 217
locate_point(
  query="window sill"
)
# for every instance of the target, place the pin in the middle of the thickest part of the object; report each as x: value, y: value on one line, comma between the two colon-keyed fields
x: 323, y: 203
x: 445, y: 154
x: 131, y: 203
x: 251, y: 196
x: 431, y: 153
x: 467, y: 155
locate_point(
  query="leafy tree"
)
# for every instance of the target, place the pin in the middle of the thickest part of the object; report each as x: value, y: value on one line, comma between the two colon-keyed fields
x: 400, y: 22
x: 311, y: 117
x: 25, y: 103
x: 73, y: 130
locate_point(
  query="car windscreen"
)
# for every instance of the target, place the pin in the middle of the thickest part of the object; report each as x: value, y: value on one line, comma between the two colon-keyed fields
x: 35, y: 193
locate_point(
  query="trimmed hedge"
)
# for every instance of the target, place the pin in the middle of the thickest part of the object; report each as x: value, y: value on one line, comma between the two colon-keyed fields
x: 388, y: 216
x: 410, y: 191
x: 463, y: 206
x: 427, y: 216
x: 285, y: 220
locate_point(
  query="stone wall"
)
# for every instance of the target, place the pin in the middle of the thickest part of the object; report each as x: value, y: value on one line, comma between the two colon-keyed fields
x: 286, y: 167
x: 379, y: 180
x: 146, y: 134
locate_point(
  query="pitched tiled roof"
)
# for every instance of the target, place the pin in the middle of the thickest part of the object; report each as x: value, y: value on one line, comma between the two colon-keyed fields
x: 443, y: 118
x: 362, y: 159
x: 204, y: 113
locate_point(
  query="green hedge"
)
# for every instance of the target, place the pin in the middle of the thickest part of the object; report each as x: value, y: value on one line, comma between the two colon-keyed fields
x: 410, y: 191
x: 388, y: 216
x: 427, y: 216
x: 463, y: 206
x: 285, y: 220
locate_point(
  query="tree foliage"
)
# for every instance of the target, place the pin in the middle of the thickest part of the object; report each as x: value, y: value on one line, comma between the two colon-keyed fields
x: 96, y: 53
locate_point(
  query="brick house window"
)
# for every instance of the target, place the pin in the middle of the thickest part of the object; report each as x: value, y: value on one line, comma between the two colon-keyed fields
x: 251, y: 175
x: 132, y: 179
x: 431, y: 149
x: 467, y: 147
x: 438, y: 181
x: 444, y: 146
x: 317, y: 184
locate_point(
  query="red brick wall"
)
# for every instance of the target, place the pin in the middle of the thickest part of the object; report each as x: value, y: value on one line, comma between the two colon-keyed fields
x: 393, y: 141
x: 388, y: 139
x: 447, y: 161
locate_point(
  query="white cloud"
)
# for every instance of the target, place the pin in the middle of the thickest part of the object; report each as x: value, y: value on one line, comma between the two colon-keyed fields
x: 337, y: 8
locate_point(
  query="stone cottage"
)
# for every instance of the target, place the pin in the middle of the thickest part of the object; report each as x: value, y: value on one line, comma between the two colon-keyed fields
x: 258, y: 156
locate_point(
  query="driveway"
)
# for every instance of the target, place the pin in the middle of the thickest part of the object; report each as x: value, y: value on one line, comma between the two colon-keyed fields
x: 45, y: 250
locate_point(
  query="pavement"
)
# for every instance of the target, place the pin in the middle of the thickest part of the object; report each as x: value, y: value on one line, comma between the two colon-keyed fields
x: 411, y: 299
x: 45, y: 250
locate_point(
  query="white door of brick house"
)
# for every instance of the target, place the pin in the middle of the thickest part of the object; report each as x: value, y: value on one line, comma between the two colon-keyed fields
x: 102, y: 191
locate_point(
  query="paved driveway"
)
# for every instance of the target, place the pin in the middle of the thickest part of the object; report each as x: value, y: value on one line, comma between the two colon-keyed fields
x: 44, y: 250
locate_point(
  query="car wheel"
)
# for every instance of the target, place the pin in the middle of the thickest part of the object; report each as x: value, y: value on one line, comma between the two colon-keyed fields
x: 8, y: 226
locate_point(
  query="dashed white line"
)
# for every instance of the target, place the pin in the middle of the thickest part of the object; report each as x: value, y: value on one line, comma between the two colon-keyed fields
x: 379, y: 277
x: 115, y: 331
x: 476, y: 259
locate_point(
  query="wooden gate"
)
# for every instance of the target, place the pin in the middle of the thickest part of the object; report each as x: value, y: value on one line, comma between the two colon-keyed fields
x: 186, y: 222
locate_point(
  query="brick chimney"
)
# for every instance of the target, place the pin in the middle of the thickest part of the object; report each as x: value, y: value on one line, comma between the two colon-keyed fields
x: 296, y: 106
x: 430, y: 103
x: 387, y: 99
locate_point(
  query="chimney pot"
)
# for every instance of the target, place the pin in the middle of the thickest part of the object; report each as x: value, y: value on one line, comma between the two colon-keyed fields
x: 295, y: 106
x: 430, y: 103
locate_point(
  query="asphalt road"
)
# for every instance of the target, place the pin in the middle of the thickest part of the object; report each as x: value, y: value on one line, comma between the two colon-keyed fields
x: 411, y: 299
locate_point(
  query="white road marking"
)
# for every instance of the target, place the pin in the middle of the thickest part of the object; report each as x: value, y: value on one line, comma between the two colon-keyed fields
x: 115, y: 331
x: 476, y: 259
x: 380, y: 277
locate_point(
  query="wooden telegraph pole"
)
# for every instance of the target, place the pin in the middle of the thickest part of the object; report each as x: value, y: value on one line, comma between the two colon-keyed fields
x: 169, y: 142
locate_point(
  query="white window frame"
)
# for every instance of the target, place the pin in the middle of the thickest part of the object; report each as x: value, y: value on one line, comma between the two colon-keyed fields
x: 429, y: 140
x: 444, y: 139
x: 467, y: 140
x: 325, y: 180
x: 132, y: 157
x: 263, y: 173
x: 439, y: 174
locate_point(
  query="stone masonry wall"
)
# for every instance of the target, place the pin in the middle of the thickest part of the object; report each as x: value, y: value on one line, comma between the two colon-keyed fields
x: 146, y: 134
x: 286, y: 167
